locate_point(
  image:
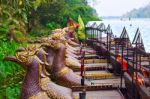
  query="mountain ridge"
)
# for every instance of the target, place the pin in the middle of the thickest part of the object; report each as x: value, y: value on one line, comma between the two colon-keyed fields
x: 143, y: 12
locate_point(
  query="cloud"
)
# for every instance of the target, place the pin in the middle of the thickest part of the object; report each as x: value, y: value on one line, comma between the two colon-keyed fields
x: 116, y: 7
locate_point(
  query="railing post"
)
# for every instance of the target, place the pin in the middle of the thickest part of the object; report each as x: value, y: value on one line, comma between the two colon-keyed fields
x: 82, y: 66
x: 92, y: 33
x: 133, y: 72
x: 115, y: 56
x: 127, y: 53
x: 122, y: 63
x: 149, y: 66
x: 107, y: 40
x: 85, y: 33
x: 83, y: 94
x: 140, y: 61
x: 136, y: 62
x: 97, y: 35
x: 100, y: 37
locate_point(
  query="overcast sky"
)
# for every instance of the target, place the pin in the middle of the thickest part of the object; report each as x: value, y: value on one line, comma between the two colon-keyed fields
x: 117, y: 7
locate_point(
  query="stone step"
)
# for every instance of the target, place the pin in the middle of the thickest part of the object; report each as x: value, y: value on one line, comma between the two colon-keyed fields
x: 100, y: 94
x: 99, y: 66
x: 93, y: 68
x: 114, y: 81
x: 96, y: 64
x: 97, y: 74
x: 89, y: 56
x: 88, y: 61
x: 93, y: 87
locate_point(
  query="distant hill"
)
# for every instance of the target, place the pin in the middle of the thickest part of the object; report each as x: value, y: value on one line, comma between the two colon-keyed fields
x: 143, y: 12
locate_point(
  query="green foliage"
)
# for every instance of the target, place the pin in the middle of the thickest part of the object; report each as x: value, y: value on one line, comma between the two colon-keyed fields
x: 12, y: 92
x: 18, y: 34
x: 52, y: 25
x: 80, y: 7
x: 54, y: 14
x: 11, y: 74
x: 18, y: 12
x: 38, y: 3
x: 11, y: 16
x: 3, y: 31
x: 39, y: 31
x: 51, y: 12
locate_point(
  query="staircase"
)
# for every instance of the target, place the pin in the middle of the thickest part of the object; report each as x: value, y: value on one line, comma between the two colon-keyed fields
x: 104, y: 84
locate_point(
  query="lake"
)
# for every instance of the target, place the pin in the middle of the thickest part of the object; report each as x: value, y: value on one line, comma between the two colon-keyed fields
x: 131, y: 25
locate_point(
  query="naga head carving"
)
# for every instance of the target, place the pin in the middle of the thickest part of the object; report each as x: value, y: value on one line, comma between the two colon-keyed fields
x: 24, y: 56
